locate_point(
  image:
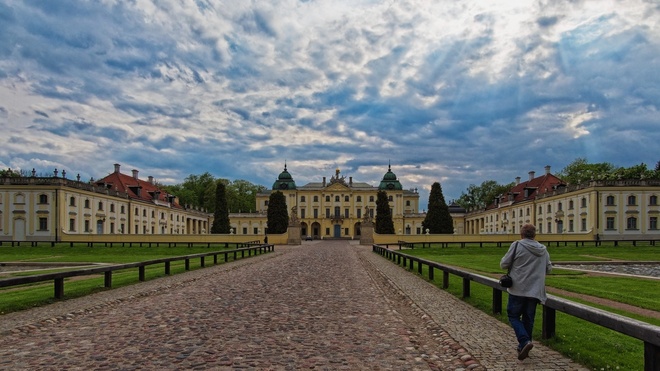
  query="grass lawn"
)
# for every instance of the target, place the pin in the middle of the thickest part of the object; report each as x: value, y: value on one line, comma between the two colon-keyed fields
x: 591, y: 345
x: 37, y: 294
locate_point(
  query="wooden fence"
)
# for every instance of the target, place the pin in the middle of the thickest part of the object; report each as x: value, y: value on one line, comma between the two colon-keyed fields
x: 58, y: 278
x: 648, y: 333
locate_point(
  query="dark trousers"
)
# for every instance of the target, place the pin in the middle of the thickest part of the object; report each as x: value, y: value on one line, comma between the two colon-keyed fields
x: 521, y: 311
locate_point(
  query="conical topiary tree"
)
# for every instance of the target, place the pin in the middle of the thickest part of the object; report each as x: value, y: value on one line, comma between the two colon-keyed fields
x: 438, y: 219
x: 221, y: 213
x: 278, y: 216
x: 384, y: 223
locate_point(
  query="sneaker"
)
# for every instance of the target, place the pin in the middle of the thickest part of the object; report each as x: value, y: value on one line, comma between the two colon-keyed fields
x: 524, y: 352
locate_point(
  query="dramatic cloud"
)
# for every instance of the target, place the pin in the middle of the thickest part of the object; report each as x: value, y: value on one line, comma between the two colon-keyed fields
x: 456, y: 92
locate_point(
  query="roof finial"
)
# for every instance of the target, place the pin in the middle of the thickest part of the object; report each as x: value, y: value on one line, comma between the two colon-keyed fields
x: 285, y: 165
x: 389, y: 165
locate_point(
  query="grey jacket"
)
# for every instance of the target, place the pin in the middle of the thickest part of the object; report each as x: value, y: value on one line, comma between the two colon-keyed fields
x: 531, y: 264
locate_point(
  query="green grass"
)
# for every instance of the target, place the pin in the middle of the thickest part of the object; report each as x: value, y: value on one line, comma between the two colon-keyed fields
x: 589, y: 344
x: 38, y: 294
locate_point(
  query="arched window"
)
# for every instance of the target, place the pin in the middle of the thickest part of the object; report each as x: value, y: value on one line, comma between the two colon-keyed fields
x: 570, y: 205
x: 584, y: 202
x: 43, y: 199
x: 609, y: 201
x: 100, y: 205
x: 632, y: 200
x: 72, y: 201
x: 359, y: 199
x: 346, y: 199
x: 86, y: 204
x: 653, y: 200
x: 302, y: 198
x: 390, y: 198
x: 316, y: 198
x: 371, y: 198
x: 336, y: 198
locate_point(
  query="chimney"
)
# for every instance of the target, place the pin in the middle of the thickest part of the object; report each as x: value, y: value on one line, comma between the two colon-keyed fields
x: 350, y: 181
x: 117, y: 166
x: 135, y: 174
x: 531, y: 175
x: 517, y: 180
x: 151, y: 179
x: 547, y: 169
x: 324, y: 181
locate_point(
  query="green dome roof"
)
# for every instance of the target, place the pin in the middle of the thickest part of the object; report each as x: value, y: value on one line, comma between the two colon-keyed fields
x: 390, y: 182
x: 284, y: 181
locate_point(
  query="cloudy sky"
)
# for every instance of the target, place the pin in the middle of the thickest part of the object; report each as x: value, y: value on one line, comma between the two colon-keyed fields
x: 457, y: 92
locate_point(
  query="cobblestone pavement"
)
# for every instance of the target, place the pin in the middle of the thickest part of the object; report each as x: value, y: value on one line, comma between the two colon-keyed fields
x: 325, y: 305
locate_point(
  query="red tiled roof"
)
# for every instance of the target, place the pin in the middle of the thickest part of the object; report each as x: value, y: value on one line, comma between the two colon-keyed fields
x: 136, y: 188
x: 526, y: 191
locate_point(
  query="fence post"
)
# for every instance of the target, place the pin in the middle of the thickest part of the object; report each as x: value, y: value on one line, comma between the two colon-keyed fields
x: 430, y: 273
x: 167, y: 268
x: 59, y: 288
x: 187, y: 264
x: 107, y: 281
x: 201, y: 261
x: 651, y: 357
x: 419, y: 267
x: 497, y: 301
x: 141, y: 273
x: 466, y: 287
x: 549, y: 323
x: 445, y: 279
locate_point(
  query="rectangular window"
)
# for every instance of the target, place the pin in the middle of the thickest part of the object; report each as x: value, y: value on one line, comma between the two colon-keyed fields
x: 346, y: 214
x: 570, y: 226
x: 255, y: 230
x: 86, y: 225
x: 112, y: 227
x: 359, y: 213
x: 584, y: 224
x: 302, y: 214
x: 327, y: 231
x: 345, y: 231
x: 653, y: 222
x: 316, y: 213
x: 43, y: 224
x: 327, y: 212
x: 72, y: 225
x: 609, y: 223
x: 549, y: 227
x: 632, y: 223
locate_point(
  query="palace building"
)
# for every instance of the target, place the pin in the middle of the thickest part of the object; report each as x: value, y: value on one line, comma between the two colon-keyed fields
x: 335, y: 207
x: 36, y: 208
x: 601, y: 209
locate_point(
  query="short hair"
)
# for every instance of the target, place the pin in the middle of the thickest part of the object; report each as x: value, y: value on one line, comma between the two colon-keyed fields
x: 528, y: 231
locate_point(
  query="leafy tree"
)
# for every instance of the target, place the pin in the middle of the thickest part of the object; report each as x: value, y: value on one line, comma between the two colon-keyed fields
x: 242, y: 195
x: 384, y: 223
x: 221, y: 214
x: 478, y: 197
x: 277, y: 216
x: 438, y: 219
x: 9, y: 173
x: 580, y: 171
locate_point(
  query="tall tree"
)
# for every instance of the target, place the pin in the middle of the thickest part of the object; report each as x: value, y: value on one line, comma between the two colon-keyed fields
x: 438, y: 219
x: 221, y: 214
x: 580, y: 171
x: 277, y: 216
x: 384, y: 223
x: 478, y: 197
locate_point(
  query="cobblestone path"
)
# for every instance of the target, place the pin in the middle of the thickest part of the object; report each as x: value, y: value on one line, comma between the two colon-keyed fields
x: 325, y: 305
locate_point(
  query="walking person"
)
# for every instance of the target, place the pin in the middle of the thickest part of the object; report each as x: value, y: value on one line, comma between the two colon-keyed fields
x: 529, y: 262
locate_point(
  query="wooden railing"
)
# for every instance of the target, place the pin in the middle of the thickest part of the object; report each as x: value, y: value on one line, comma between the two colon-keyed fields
x: 648, y: 333
x: 58, y: 278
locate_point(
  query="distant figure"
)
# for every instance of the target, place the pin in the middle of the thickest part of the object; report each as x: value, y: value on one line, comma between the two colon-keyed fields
x: 530, y: 262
